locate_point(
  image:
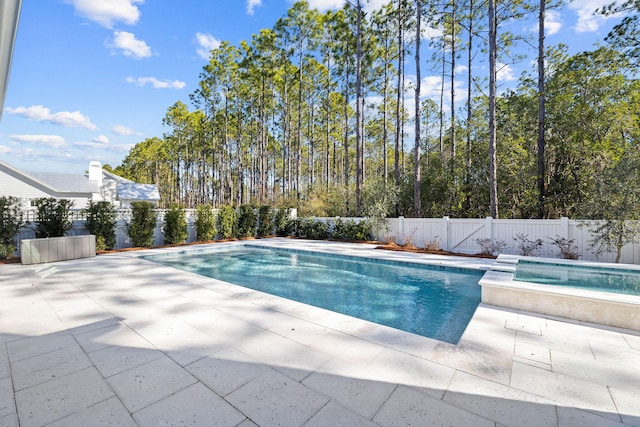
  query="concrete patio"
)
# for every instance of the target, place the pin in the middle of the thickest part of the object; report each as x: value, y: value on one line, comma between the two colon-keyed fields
x: 117, y: 340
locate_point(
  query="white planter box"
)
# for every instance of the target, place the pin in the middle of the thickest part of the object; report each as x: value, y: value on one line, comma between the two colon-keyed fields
x: 37, y: 251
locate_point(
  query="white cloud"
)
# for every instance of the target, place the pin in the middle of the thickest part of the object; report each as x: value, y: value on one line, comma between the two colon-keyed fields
x: 130, y: 45
x: 101, y: 139
x: 552, y: 22
x: 252, y: 4
x: 323, y: 5
x: 505, y: 72
x: 587, y: 21
x: 40, y: 113
x: 431, y: 33
x: 122, y: 130
x: 157, y: 84
x: 54, y: 141
x: 206, y: 43
x: 108, y: 12
x: 98, y: 145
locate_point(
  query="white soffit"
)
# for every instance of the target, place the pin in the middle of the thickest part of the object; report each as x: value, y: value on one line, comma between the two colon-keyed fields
x: 9, y: 15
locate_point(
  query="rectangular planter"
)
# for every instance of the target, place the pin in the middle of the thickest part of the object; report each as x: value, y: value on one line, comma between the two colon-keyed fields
x: 37, y: 251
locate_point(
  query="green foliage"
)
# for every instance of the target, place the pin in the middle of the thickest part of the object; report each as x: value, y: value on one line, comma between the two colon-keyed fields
x: 175, y: 226
x: 247, y: 221
x: 615, y: 206
x: 322, y: 202
x: 612, y: 235
x: 313, y: 229
x: 52, y: 217
x: 227, y: 224
x: 10, y: 222
x: 282, y: 223
x: 143, y: 224
x: 351, y: 230
x: 101, y: 222
x: 274, y: 119
x: 205, y: 223
x: 265, y: 221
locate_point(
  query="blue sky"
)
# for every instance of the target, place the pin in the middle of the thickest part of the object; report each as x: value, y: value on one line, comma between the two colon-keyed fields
x: 91, y: 78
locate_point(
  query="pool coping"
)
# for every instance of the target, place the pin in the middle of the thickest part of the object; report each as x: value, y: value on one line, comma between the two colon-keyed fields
x: 510, y: 367
x: 605, y: 308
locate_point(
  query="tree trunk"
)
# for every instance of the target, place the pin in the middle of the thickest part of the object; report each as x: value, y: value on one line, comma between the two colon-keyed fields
x: 359, y: 150
x: 541, y: 110
x: 493, y: 170
x: 398, y: 106
x: 469, y: 111
x: 417, y: 208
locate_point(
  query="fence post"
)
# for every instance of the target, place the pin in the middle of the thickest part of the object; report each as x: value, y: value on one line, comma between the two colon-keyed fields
x: 445, y: 231
x: 564, y: 227
x: 489, y: 226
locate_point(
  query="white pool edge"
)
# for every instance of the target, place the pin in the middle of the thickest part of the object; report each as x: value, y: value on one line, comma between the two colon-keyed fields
x: 604, y: 308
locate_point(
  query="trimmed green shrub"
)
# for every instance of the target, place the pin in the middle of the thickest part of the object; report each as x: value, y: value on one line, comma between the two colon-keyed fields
x: 282, y: 223
x: 52, y: 218
x: 313, y: 229
x: 227, y: 226
x: 143, y: 224
x: 247, y: 221
x: 11, y: 220
x: 205, y: 223
x: 351, y: 230
x: 265, y: 221
x: 175, y: 226
x: 101, y: 222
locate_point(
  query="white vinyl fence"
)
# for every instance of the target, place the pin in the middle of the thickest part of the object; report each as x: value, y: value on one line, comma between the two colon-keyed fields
x: 460, y: 235
x: 449, y: 234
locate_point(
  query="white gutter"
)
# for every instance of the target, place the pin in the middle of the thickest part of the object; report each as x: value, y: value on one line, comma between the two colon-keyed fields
x: 9, y: 15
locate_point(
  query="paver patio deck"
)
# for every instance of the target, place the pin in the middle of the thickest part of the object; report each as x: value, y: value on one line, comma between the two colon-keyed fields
x: 117, y: 340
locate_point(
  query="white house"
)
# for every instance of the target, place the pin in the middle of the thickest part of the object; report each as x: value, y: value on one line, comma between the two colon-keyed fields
x: 96, y: 185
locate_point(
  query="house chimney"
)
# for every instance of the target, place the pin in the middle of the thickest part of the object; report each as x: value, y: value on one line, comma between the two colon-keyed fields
x: 95, y: 172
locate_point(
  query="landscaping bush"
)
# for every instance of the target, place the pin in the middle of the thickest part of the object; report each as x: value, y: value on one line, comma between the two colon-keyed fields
x: 283, y: 225
x: 265, y: 222
x: 52, y: 217
x: 490, y: 247
x: 101, y: 222
x: 247, y: 221
x: 227, y: 226
x: 10, y: 222
x: 566, y: 247
x: 351, y: 230
x: 175, y: 226
x: 525, y: 246
x: 143, y: 224
x: 205, y: 223
x: 313, y: 229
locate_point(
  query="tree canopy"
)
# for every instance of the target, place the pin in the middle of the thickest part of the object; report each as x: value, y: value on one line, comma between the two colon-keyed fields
x: 318, y: 113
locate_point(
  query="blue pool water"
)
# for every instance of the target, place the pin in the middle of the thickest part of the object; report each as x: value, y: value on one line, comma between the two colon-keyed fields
x: 604, y: 279
x: 431, y: 301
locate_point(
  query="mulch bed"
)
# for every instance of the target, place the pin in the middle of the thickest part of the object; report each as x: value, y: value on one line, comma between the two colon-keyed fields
x: 387, y: 246
x: 395, y: 247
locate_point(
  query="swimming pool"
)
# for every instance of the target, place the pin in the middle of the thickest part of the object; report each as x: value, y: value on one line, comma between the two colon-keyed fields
x: 432, y: 301
x: 617, y: 280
